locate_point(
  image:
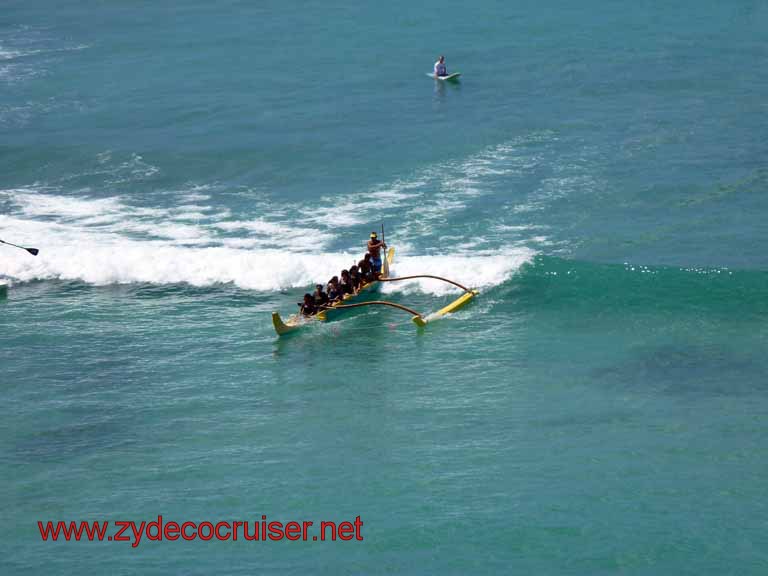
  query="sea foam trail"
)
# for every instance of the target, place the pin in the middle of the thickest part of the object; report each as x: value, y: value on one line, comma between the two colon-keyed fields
x: 116, y: 260
x: 271, y: 246
x: 127, y: 261
x: 470, y: 271
x: 105, y: 241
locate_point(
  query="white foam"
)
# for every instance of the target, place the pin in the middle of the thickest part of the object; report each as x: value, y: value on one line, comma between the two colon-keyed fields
x: 127, y: 261
x: 297, y: 238
x: 9, y: 54
x: 196, y: 197
x: 430, y: 195
x: 192, y: 239
x: 105, y: 241
x: 470, y: 271
x: 114, y: 260
x: 101, y: 256
x: 32, y: 203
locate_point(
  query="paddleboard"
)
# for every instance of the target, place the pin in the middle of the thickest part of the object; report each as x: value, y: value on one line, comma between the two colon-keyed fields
x: 450, y: 78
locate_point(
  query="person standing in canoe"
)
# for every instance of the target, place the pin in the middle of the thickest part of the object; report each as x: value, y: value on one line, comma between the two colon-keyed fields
x: 440, y: 68
x: 374, y: 249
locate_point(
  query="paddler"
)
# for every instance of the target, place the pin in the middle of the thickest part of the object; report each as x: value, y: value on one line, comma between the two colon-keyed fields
x: 334, y: 291
x: 308, y: 308
x: 366, y: 270
x: 346, y: 283
x: 320, y: 297
x: 354, y: 275
x: 374, y: 249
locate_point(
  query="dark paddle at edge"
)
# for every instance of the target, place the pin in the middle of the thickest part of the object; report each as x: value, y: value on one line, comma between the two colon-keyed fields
x: 33, y: 251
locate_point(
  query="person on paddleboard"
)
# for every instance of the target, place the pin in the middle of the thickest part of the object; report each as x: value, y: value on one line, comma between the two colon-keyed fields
x: 440, y: 67
x: 374, y: 249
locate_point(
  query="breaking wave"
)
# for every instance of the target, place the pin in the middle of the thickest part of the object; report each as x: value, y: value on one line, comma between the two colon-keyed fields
x: 109, y: 241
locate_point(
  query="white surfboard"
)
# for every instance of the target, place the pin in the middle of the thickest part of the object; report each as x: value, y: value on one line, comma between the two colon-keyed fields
x: 450, y: 78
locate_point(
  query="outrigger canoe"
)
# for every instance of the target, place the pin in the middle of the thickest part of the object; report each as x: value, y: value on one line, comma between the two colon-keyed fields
x: 360, y: 299
x: 298, y: 320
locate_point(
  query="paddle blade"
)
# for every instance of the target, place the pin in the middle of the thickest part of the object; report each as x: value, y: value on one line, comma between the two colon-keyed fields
x: 33, y: 251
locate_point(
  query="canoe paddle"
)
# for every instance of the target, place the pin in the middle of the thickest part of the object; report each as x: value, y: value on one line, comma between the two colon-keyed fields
x: 385, y: 265
x: 33, y: 251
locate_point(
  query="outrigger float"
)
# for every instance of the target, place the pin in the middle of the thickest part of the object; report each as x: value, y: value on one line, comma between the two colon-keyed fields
x: 297, y: 321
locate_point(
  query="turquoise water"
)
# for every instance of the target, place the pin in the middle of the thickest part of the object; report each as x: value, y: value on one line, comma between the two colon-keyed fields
x: 599, y: 174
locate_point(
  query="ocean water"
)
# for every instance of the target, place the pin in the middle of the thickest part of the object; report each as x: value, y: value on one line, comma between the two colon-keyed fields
x: 600, y: 174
